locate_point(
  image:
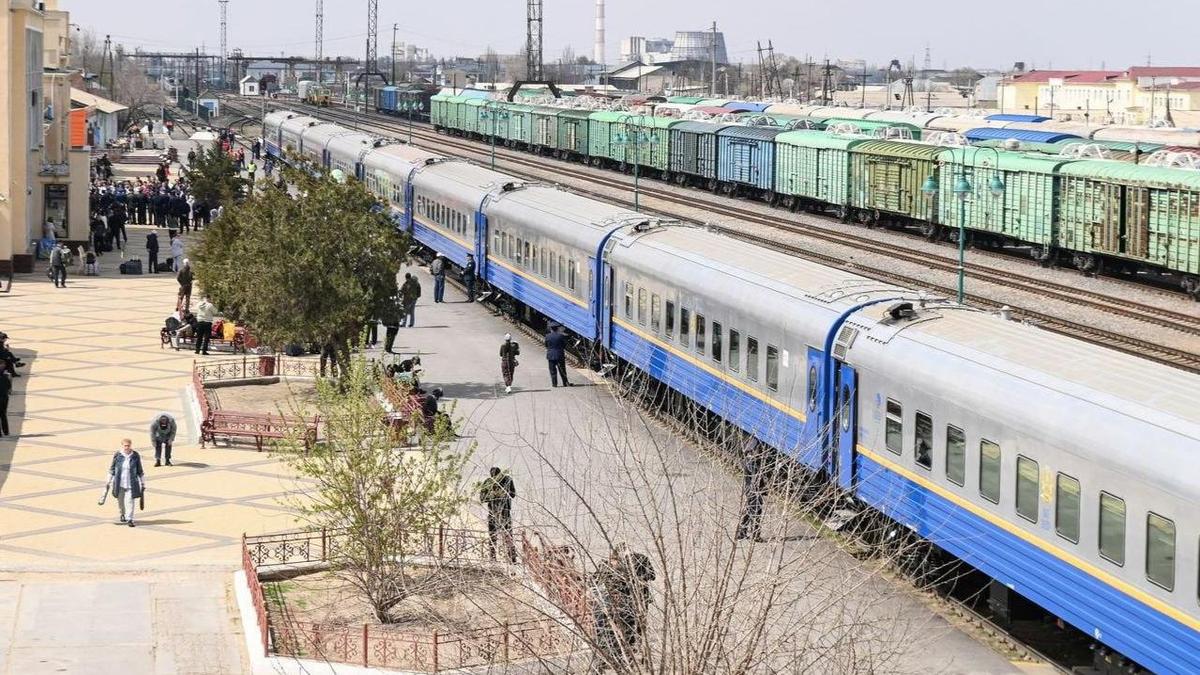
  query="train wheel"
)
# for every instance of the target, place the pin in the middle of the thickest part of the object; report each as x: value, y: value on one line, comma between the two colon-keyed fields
x: 1043, y: 254
x: 596, y: 162
x: 712, y: 185
x: 1191, y: 286
x: 843, y: 213
x: 1086, y: 263
x: 771, y: 197
x: 931, y: 231
x: 727, y: 188
x: 680, y: 179
x: 789, y: 202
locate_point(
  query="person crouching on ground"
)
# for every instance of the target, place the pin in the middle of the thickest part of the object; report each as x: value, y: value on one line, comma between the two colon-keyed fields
x: 162, y: 435
x: 127, y: 479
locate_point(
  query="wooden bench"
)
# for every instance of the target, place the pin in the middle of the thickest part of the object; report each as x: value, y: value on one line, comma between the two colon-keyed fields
x: 237, y: 344
x: 406, y: 410
x: 256, y: 426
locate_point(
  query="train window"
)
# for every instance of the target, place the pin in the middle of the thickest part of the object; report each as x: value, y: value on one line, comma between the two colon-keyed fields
x: 496, y: 242
x: 533, y: 261
x: 956, y: 455
x: 772, y: 368
x: 812, y: 388
x: 1066, y: 508
x: 655, y: 313
x: 893, y: 427
x: 700, y: 332
x: 685, y: 326
x: 526, y: 260
x: 571, y: 274
x: 923, y: 440
x: 752, y: 358
x: 628, y: 300
x: 642, y: 306
x: 716, y: 342
x: 554, y: 258
x: 989, y: 471
x: 670, y: 318
x: 1028, y: 488
x: 542, y: 264
x: 735, y: 350
x: 562, y: 270
x: 1160, y: 551
x: 1112, y: 528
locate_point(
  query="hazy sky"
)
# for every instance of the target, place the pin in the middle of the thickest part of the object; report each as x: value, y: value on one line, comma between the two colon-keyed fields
x: 1058, y: 33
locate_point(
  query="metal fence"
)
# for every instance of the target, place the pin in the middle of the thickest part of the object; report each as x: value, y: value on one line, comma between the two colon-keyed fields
x: 256, y: 366
x: 379, y: 646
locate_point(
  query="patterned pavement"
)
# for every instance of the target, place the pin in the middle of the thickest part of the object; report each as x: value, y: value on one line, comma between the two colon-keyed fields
x: 96, y: 374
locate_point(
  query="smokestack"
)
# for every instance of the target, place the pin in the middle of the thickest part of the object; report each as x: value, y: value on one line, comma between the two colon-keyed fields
x: 598, y: 48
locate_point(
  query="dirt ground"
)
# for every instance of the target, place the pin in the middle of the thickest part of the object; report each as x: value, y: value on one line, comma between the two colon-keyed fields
x: 447, y: 599
x: 267, y: 398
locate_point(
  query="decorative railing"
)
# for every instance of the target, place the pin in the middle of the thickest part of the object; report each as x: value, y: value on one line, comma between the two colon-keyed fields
x: 256, y: 366
x: 381, y: 646
x: 560, y: 576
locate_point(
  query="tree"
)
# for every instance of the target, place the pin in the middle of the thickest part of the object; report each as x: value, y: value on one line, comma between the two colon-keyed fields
x: 214, y: 177
x: 308, y: 269
x: 368, y: 492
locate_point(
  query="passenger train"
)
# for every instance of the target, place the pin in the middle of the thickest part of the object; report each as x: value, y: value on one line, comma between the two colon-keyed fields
x: 1064, y: 471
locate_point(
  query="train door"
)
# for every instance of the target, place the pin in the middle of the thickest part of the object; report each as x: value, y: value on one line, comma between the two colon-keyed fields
x: 481, y: 244
x: 845, y: 425
x: 608, y: 286
x: 1135, y: 240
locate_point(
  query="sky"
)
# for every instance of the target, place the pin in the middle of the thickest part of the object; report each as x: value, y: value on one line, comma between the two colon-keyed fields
x: 1044, y: 33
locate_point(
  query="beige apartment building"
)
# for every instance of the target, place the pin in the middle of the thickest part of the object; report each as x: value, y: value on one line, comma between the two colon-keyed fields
x: 1137, y: 95
x: 43, y: 174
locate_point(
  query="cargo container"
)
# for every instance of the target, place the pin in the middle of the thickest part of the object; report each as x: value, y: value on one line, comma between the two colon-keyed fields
x: 602, y: 130
x: 1023, y: 213
x: 693, y: 151
x: 545, y: 128
x: 886, y: 179
x: 646, y: 140
x: 1023, y: 135
x: 573, y: 133
x: 441, y: 111
x: 517, y: 124
x: 813, y: 166
x: 688, y: 100
x: 386, y: 100
x: 746, y: 159
x: 1114, y: 214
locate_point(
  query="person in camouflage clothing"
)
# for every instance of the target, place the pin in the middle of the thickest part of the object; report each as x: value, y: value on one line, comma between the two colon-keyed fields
x: 496, y: 493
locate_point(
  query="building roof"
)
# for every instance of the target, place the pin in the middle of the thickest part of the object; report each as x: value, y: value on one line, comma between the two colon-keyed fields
x: 248, y: 78
x: 1080, y: 76
x: 633, y: 71
x: 98, y: 102
x: 1163, y: 71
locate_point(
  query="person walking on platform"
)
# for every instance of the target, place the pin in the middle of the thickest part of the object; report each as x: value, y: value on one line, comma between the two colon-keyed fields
x: 152, y: 251
x: 469, y: 277
x: 755, y: 470
x: 126, y: 479
x: 177, y: 252
x: 509, y: 351
x: 556, y: 355
x: 410, y: 292
x: 185, y: 286
x: 438, y: 269
x: 390, y: 317
x: 162, y: 435
x: 497, y: 493
x: 58, y: 266
x: 5, y: 392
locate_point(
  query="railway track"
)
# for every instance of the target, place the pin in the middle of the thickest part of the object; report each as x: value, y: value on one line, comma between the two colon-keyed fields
x: 1181, y: 321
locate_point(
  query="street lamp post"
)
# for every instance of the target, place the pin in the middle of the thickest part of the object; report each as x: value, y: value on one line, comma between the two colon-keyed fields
x: 635, y: 136
x: 962, y: 190
x: 491, y: 111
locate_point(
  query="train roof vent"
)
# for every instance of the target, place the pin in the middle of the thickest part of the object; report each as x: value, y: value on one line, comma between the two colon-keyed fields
x: 901, y: 311
x: 845, y: 340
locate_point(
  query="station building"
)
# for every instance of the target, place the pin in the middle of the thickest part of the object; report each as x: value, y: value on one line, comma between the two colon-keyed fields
x: 44, y: 167
x: 1136, y: 95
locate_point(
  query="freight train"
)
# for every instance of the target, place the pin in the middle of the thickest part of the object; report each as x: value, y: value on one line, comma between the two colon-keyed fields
x: 1063, y: 470
x: 1096, y: 214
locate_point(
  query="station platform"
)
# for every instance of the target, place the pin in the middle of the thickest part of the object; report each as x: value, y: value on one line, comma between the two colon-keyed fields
x: 591, y: 469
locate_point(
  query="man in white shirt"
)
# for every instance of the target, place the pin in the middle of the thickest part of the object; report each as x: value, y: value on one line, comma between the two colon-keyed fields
x: 127, y: 479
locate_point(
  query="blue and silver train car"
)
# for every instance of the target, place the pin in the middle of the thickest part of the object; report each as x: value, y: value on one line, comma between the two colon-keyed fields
x: 388, y: 171
x: 445, y: 201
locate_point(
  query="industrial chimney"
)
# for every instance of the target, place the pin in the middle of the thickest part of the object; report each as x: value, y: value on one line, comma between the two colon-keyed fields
x: 598, y: 48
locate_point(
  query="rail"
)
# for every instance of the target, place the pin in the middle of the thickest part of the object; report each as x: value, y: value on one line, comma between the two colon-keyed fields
x: 256, y: 366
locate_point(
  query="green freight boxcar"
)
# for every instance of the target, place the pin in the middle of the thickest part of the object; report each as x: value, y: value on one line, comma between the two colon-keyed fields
x: 881, y: 130
x: 603, y: 128
x: 1023, y: 213
x: 886, y: 179
x: 545, y: 127
x: 1123, y: 215
x: 646, y: 140
x: 469, y: 116
x: 440, y: 111
x: 519, y: 130
x: 813, y: 166
x: 573, y: 133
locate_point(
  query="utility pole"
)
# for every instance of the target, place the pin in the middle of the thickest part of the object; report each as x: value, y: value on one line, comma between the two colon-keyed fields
x: 224, y: 35
x: 808, y: 81
x: 395, y: 27
x: 533, y: 41
x: 713, y: 55
x: 863, y: 101
x: 775, y: 85
x: 104, y: 64
x: 759, y: 50
x: 827, y: 84
x: 319, y: 37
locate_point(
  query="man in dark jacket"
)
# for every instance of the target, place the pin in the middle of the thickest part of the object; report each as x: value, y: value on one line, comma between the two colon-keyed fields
x: 162, y: 435
x: 756, y: 474
x: 160, y: 204
x: 469, y: 277
x: 116, y: 227
x: 152, y: 250
x: 497, y: 493
x: 410, y: 292
x: 126, y: 479
x: 390, y: 316
x: 556, y: 355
